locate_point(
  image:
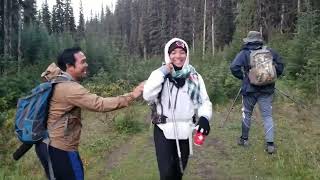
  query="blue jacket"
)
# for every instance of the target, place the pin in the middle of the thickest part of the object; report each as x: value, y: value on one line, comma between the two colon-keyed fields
x: 242, y: 60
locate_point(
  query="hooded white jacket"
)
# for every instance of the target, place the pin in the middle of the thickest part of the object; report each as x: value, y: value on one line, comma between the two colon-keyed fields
x: 185, y: 109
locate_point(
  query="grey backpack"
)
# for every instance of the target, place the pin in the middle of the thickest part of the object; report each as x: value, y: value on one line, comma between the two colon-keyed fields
x: 262, y: 70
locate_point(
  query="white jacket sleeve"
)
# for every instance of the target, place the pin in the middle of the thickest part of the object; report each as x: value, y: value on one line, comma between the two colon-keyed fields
x: 205, y: 109
x: 153, y: 85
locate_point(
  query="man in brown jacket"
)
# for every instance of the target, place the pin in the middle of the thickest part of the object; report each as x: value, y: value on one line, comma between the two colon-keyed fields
x: 64, y: 119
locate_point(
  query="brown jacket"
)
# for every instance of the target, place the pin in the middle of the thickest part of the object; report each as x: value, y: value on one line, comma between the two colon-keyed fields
x: 64, y: 120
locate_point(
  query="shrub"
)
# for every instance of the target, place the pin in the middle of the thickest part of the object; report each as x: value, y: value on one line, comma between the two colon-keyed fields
x: 128, y: 122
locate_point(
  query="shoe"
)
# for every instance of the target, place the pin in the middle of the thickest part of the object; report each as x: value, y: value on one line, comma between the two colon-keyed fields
x: 270, y: 148
x: 243, y: 142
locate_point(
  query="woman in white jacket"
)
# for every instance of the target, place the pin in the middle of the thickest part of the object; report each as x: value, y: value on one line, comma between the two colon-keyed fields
x: 180, y: 96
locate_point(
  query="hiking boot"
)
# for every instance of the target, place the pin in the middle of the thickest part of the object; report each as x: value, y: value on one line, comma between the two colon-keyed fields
x: 270, y: 148
x: 243, y: 142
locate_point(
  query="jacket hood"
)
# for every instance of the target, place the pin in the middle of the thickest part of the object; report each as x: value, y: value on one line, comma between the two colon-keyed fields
x: 51, y: 72
x: 166, y: 48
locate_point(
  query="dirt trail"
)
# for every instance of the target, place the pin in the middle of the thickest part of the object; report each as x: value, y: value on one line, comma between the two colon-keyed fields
x: 201, y: 165
x: 203, y: 161
x: 117, y: 155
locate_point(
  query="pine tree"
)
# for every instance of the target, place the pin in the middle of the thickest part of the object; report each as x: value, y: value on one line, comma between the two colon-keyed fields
x: 39, y: 18
x: 134, y: 32
x: 164, y: 22
x: 108, y: 23
x: 5, y: 24
x: 15, y: 16
x: 1, y: 26
x: 46, y: 17
x: 58, y: 21
x: 143, y: 29
x: 69, y: 24
x: 102, y: 14
x: 29, y: 11
x: 187, y: 20
x: 55, y: 25
x: 197, y: 20
x: 169, y: 9
x: 224, y: 23
x: 154, y: 31
x: 80, y: 29
x: 19, y: 25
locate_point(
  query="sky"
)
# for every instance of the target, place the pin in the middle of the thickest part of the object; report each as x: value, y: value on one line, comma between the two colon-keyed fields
x: 88, y: 5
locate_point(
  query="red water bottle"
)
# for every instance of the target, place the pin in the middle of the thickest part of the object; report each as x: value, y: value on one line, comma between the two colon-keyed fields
x: 198, y: 138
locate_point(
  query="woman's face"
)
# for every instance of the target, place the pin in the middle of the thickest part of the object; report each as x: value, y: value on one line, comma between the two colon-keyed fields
x: 178, y: 57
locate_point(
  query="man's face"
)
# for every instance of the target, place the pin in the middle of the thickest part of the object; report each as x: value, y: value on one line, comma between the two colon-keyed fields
x: 79, y: 70
x: 178, y: 57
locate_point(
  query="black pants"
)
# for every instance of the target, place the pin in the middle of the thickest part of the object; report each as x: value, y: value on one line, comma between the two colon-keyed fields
x: 167, y: 155
x: 66, y: 165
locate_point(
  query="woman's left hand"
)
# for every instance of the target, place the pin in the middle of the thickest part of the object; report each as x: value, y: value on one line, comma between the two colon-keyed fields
x: 203, y: 126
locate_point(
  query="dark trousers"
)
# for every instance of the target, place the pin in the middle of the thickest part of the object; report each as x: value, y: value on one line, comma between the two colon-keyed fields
x: 66, y: 165
x: 167, y: 156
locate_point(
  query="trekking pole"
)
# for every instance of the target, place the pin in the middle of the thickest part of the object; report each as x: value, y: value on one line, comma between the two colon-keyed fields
x: 286, y: 95
x: 21, y: 151
x: 304, y: 106
x: 175, y: 129
x: 230, y: 109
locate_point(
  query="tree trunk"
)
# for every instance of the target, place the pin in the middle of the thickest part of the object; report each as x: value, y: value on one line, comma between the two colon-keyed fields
x: 282, y: 19
x: 213, y: 28
x: 204, y: 28
x: 260, y: 16
x: 10, y: 16
x: 212, y: 34
x: 193, y: 30
x: 5, y: 29
x: 19, y: 40
x: 180, y: 23
x: 145, y: 52
x: 318, y: 90
x: 298, y: 13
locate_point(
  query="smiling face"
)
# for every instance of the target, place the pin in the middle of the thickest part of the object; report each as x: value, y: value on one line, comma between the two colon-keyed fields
x: 178, y: 57
x: 79, y: 70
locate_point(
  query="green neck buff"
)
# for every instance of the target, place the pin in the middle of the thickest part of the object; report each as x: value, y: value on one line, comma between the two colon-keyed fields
x: 191, y: 75
x: 184, y: 72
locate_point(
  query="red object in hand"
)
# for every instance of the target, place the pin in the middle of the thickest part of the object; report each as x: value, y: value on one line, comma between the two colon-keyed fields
x: 198, y: 139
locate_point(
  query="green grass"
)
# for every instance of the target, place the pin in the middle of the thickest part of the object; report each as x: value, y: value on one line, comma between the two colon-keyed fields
x: 110, y: 154
x: 297, y: 154
x: 139, y: 164
x: 100, y: 135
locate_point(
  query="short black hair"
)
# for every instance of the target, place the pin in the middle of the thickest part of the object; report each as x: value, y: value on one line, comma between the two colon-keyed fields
x: 67, y: 57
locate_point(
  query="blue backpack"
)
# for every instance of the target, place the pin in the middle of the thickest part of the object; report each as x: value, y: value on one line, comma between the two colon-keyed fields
x: 32, y: 113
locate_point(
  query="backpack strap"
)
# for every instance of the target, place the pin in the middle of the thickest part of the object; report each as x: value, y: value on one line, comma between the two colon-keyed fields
x: 160, y: 119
